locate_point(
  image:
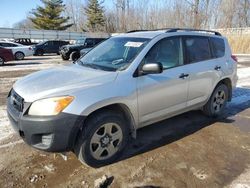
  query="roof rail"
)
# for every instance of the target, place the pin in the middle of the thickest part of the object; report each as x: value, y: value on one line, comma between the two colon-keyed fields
x: 169, y: 30
x: 139, y: 30
x: 188, y: 29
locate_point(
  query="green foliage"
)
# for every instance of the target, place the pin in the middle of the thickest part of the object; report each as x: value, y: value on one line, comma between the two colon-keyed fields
x: 49, y: 17
x: 95, y: 16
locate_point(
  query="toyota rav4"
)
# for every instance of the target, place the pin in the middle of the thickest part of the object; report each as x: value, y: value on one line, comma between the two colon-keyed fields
x: 129, y: 81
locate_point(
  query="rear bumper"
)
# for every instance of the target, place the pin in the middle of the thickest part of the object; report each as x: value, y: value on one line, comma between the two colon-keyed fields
x: 65, y: 54
x: 48, y: 133
x: 29, y: 53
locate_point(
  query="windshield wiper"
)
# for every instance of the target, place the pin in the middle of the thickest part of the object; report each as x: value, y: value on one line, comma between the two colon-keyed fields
x: 95, y: 66
x: 91, y: 65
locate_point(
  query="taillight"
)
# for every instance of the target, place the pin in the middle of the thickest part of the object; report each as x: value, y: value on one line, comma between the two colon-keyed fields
x: 234, y: 58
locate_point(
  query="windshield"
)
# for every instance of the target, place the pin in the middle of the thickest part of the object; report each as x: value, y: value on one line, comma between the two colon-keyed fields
x: 114, y: 54
x: 80, y: 41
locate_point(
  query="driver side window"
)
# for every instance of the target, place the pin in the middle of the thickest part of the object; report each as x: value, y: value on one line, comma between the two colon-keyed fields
x: 167, y: 51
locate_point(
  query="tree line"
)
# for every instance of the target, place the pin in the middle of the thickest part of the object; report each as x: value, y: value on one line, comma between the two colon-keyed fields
x: 123, y: 15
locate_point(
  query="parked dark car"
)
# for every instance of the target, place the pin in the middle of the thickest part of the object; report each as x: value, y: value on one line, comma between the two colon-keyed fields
x: 5, y: 55
x: 51, y: 46
x: 24, y: 41
x: 84, y: 51
x: 73, y: 51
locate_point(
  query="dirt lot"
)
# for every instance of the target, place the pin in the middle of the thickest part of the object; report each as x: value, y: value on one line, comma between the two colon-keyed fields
x: 189, y: 150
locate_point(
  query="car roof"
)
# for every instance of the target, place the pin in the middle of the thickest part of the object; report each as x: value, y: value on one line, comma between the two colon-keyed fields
x: 181, y: 31
x: 142, y: 34
x: 10, y: 42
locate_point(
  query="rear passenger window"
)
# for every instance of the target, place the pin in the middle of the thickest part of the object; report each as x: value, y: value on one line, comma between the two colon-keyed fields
x: 6, y: 45
x: 218, y: 47
x: 89, y: 42
x: 197, y: 49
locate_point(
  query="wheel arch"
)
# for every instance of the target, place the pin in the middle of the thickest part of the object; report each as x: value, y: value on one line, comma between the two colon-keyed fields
x: 19, y: 52
x: 228, y: 83
x: 124, y: 110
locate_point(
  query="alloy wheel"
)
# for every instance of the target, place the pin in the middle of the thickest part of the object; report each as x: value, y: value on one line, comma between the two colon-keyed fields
x: 105, y: 141
x: 219, y: 101
x: 19, y: 56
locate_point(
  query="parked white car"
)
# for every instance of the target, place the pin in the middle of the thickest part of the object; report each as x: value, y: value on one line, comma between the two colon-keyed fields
x: 19, y: 51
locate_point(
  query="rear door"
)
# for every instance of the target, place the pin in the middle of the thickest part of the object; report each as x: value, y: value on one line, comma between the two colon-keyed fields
x: 56, y: 46
x: 166, y: 93
x: 204, y: 69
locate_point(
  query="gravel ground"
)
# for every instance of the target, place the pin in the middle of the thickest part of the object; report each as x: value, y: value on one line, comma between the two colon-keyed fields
x: 189, y: 150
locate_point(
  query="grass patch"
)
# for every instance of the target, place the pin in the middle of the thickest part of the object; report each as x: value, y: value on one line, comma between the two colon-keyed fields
x: 239, y: 43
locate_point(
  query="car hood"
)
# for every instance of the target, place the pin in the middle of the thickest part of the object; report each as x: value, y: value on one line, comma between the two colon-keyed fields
x: 74, y: 45
x: 60, y: 81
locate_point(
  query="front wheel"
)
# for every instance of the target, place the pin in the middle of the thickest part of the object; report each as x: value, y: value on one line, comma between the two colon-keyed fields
x: 217, y: 102
x: 1, y: 61
x: 64, y: 57
x: 75, y: 55
x: 103, y: 139
x: 19, y: 55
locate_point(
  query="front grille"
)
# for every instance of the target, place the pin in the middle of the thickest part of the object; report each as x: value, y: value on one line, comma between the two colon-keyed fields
x: 17, y: 101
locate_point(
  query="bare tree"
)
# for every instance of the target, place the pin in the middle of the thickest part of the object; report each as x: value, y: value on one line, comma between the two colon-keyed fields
x: 75, y: 11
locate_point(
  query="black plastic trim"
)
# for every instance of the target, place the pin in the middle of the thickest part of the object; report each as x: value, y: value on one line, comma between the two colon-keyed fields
x: 63, y: 127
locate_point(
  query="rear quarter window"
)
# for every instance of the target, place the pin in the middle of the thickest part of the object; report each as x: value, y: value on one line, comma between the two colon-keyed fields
x: 218, y: 47
x: 197, y: 49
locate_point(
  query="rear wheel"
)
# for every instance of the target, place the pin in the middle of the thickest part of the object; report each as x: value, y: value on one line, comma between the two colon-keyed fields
x: 75, y: 55
x: 19, y: 55
x: 103, y: 140
x: 40, y: 52
x: 1, y: 61
x: 217, y: 101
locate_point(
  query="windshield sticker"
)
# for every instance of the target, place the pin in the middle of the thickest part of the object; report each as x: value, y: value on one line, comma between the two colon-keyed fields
x: 133, y: 44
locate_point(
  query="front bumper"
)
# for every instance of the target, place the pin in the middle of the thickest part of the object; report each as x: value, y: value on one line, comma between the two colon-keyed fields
x: 65, y: 53
x: 48, y: 133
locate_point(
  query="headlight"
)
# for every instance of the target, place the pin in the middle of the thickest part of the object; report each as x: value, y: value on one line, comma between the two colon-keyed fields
x: 50, y: 106
x: 66, y: 49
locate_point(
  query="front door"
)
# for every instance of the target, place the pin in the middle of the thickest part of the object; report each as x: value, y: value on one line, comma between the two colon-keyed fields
x: 163, y: 94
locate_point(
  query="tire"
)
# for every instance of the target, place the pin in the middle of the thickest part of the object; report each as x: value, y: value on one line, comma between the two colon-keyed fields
x: 217, y: 102
x: 40, y: 52
x: 19, y: 55
x: 74, y: 55
x: 1, y: 61
x: 103, y: 139
x: 65, y: 57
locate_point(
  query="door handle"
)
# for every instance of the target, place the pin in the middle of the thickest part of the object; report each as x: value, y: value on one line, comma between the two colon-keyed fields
x: 183, y: 76
x: 217, y: 68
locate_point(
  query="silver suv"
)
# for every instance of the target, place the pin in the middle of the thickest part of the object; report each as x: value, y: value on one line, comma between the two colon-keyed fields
x: 95, y: 105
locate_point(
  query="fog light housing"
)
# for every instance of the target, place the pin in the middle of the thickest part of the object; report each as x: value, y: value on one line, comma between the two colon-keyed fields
x: 47, y: 139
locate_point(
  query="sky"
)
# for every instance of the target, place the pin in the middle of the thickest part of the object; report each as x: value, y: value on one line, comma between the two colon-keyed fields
x: 13, y: 11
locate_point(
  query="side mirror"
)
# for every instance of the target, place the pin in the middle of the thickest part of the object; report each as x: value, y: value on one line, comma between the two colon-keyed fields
x: 152, y: 68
